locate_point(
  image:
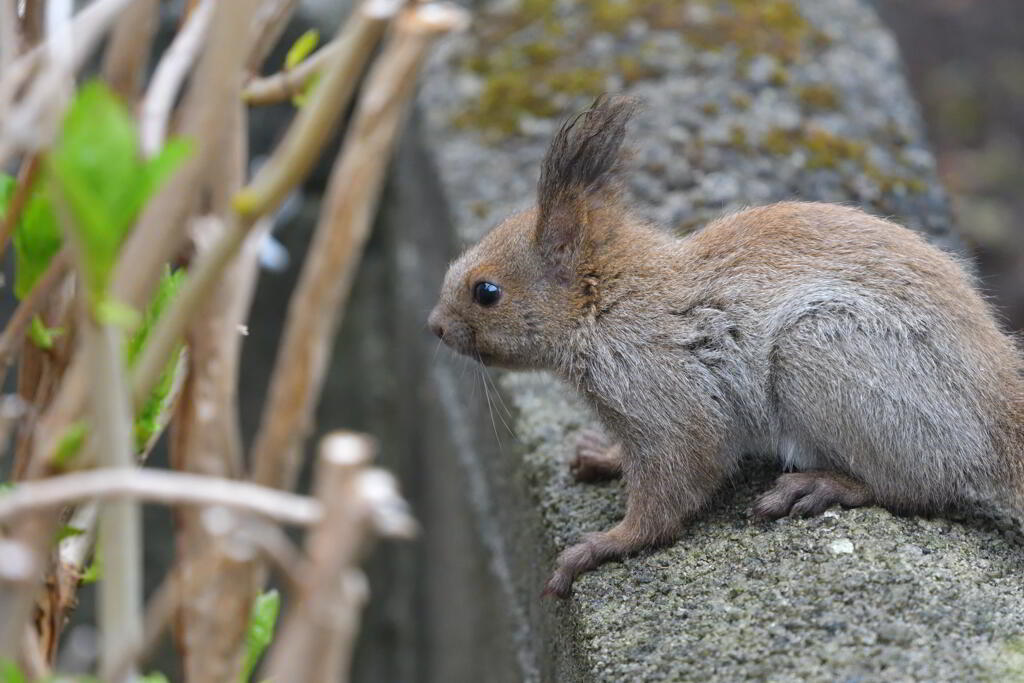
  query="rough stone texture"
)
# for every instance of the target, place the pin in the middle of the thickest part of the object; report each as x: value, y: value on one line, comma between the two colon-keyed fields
x: 747, y: 102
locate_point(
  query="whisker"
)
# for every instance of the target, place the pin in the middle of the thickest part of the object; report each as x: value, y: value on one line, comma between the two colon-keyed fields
x: 501, y: 402
x: 490, y: 408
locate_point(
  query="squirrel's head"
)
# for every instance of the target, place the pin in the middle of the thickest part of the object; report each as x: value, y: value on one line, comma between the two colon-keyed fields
x: 512, y: 299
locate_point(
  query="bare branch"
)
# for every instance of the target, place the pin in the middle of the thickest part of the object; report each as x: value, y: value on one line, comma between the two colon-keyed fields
x: 172, y: 69
x: 32, y: 124
x: 269, y: 24
x: 207, y: 114
x: 287, y: 167
x: 18, y: 324
x: 26, y: 177
x: 193, y: 572
x: 314, y: 311
x: 128, y: 49
x: 303, y: 142
x: 157, y: 486
x: 315, y: 643
x: 289, y: 82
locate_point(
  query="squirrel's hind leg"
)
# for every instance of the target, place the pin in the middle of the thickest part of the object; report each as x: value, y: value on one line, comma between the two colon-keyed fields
x: 803, y: 494
x: 661, y: 496
x: 596, y: 459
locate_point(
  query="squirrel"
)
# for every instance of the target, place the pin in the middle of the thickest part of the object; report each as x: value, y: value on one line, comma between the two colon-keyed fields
x: 843, y: 344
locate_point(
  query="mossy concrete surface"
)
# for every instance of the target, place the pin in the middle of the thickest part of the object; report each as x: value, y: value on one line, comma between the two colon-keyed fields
x: 746, y: 103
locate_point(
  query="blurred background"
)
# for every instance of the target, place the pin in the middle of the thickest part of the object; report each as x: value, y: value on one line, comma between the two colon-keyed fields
x: 965, y: 62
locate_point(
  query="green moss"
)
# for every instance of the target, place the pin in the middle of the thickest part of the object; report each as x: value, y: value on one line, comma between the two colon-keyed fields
x: 529, y: 58
x: 818, y: 97
x: 779, y: 142
x: 612, y: 15
x: 505, y: 98
x: 780, y: 77
x: 741, y: 101
x: 828, y: 151
x: 774, y: 27
x: 738, y: 138
x: 578, y: 81
x: 634, y: 69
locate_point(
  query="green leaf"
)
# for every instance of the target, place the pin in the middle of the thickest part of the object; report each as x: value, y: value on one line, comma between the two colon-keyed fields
x: 43, y: 336
x: 94, y: 572
x: 70, y: 444
x: 148, y: 421
x: 111, y: 312
x: 259, y: 631
x: 7, y: 184
x: 307, y: 91
x: 37, y: 239
x: 67, y: 531
x: 301, y: 48
x: 6, y: 486
x: 10, y: 672
x: 154, y: 677
x: 97, y: 171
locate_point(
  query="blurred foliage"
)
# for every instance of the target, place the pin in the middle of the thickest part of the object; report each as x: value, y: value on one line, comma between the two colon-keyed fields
x: 260, y: 631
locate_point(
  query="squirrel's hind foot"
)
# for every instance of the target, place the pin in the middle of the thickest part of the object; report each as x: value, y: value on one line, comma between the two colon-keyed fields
x: 596, y: 459
x: 804, y: 494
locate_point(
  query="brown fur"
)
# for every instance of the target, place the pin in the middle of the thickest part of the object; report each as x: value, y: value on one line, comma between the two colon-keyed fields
x: 841, y: 343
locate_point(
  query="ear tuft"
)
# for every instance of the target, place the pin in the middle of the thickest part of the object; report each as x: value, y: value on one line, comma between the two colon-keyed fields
x: 584, y: 155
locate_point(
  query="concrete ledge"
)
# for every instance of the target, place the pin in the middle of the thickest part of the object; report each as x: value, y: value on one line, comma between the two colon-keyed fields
x: 748, y: 102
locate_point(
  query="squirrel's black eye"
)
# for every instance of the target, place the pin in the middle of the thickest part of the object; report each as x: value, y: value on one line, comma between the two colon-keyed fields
x: 486, y: 293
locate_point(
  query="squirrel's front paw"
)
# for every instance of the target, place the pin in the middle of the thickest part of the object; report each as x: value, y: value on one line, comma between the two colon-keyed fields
x: 596, y: 459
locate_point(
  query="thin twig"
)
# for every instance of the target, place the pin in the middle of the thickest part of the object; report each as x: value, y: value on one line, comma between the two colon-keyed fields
x: 159, y: 232
x: 170, y: 72
x: 18, y: 324
x: 22, y: 190
x: 191, y: 573
x: 303, y: 142
x: 288, y: 82
x: 270, y: 23
x: 315, y: 309
x: 158, y: 486
x: 32, y: 124
x: 127, y: 53
x: 318, y: 634
x: 288, y: 166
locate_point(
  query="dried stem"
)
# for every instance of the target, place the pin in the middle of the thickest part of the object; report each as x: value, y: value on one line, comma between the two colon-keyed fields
x: 283, y: 171
x: 207, y: 438
x: 321, y: 612
x: 157, y: 486
x: 315, y: 308
x: 160, y: 229
x: 18, y: 323
x: 288, y: 82
x: 270, y: 24
x: 193, y: 572
x: 26, y: 177
x: 32, y: 124
x: 128, y: 49
x: 316, y: 640
x: 302, y: 144
x: 120, y: 525
x: 170, y: 72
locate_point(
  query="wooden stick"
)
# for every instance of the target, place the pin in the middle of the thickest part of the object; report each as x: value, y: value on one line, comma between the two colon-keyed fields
x: 314, y: 311
x: 157, y: 486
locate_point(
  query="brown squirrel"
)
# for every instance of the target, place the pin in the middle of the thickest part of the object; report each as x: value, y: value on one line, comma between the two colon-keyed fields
x: 844, y: 344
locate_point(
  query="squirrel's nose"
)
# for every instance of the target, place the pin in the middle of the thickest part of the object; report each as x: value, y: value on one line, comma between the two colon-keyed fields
x: 434, y: 323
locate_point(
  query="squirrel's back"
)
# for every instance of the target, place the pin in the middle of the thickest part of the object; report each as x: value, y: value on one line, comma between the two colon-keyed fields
x: 861, y: 317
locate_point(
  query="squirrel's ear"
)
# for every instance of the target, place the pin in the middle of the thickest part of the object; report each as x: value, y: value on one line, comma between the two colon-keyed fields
x: 579, y: 170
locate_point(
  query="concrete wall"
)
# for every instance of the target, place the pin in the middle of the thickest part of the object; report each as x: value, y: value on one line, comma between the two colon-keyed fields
x: 747, y: 103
